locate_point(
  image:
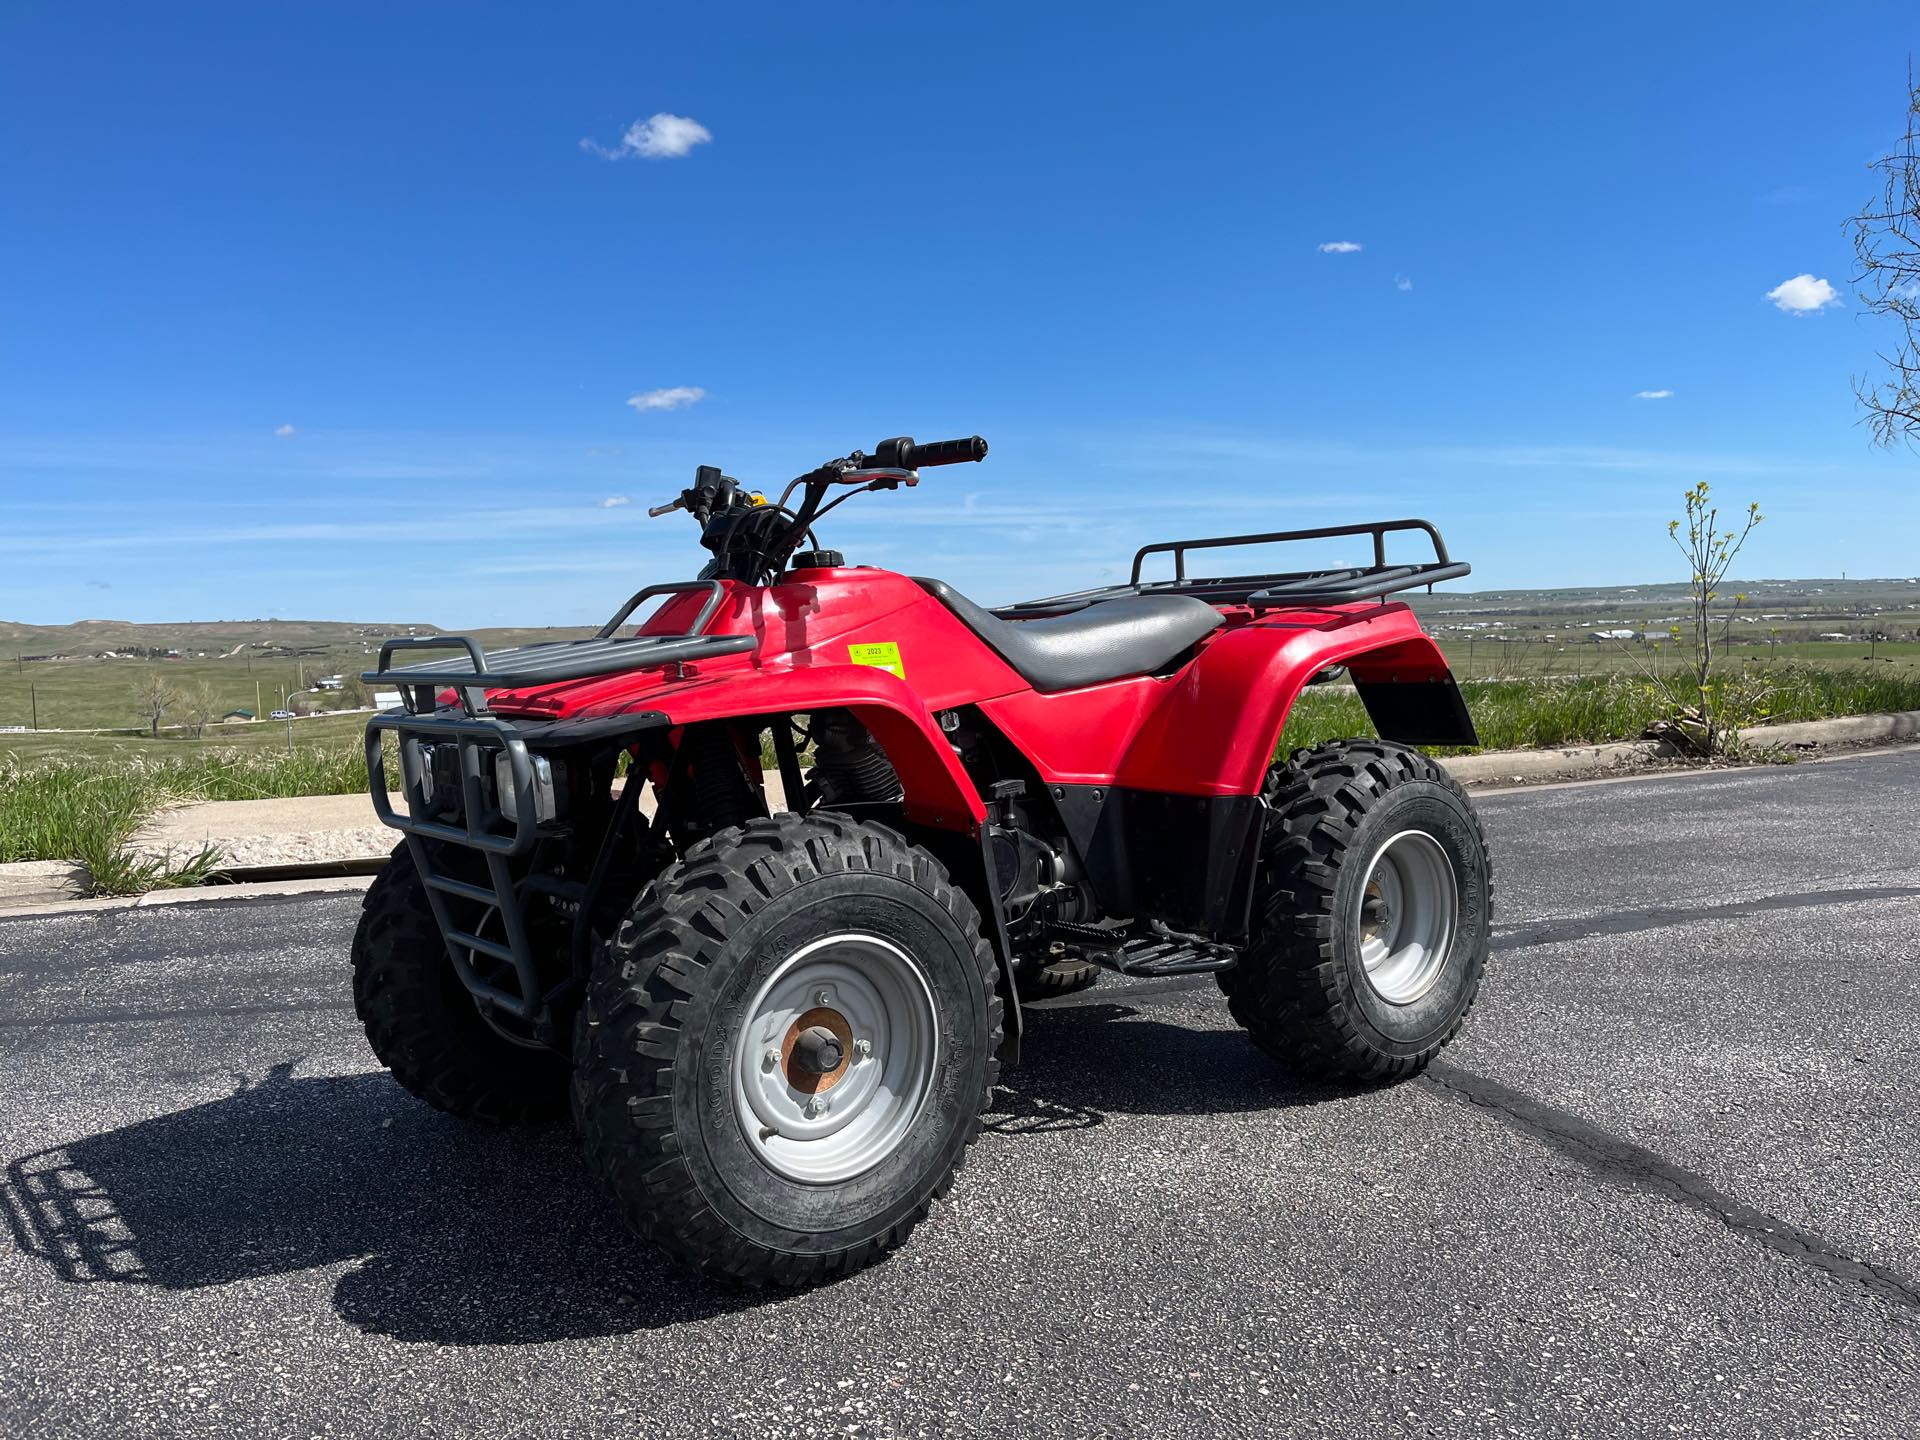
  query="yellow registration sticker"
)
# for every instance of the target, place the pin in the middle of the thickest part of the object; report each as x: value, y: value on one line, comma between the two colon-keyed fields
x: 884, y: 655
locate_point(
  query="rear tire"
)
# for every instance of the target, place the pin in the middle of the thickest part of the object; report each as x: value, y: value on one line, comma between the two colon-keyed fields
x: 1045, y: 979
x: 694, y: 1068
x: 1371, y: 914
x: 423, y: 1023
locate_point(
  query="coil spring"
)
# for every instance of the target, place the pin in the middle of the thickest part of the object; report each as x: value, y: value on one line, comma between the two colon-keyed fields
x: 849, y: 763
x: 720, y: 796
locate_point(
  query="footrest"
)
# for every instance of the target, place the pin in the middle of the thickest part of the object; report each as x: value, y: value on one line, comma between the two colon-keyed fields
x: 1166, y: 957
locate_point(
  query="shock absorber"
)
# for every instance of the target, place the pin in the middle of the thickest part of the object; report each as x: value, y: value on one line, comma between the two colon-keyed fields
x: 716, y: 792
x: 848, y: 763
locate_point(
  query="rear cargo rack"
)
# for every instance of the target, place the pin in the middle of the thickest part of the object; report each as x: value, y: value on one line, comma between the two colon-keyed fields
x: 1301, y: 588
x: 552, y: 661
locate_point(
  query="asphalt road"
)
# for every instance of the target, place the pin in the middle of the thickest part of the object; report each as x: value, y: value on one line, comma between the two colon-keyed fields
x: 1665, y: 1183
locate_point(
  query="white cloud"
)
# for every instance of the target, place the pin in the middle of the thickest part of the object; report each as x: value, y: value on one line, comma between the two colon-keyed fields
x: 1402, y: 282
x: 1340, y: 247
x: 614, y: 502
x: 283, y: 431
x: 1802, y: 295
x: 676, y: 397
x: 658, y: 137
x: 1653, y: 394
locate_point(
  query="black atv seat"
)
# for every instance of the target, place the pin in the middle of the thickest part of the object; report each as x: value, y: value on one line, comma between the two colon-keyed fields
x: 1105, y: 641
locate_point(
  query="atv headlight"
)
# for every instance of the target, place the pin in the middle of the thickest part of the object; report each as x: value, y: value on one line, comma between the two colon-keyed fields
x: 546, y: 800
x: 439, y: 776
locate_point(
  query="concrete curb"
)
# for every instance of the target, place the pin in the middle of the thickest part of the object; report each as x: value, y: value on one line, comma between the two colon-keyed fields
x: 27, y: 882
x: 1501, y: 767
x: 1846, y: 730
x: 36, y: 887
x: 1498, y: 767
x: 188, y: 895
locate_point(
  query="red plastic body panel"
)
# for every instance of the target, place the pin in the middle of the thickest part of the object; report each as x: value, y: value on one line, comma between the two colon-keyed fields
x: 1211, y: 729
x: 1207, y: 729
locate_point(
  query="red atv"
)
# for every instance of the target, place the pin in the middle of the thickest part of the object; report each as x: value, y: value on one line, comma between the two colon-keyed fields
x: 779, y: 1011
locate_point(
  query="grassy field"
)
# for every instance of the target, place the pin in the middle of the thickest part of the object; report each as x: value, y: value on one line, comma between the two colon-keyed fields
x: 81, y: 797
x: 1533, y: 672
x: 254, y: 664
x: 1592, y: 710
x: 89, y: 692
x: 265, y: 739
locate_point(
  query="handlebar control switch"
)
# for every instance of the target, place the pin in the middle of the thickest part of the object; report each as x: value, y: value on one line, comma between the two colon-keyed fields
x: 817, y: 560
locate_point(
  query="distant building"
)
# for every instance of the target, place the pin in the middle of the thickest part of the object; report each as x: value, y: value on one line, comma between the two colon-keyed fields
x: 386, y: 699
x: 330, y: 682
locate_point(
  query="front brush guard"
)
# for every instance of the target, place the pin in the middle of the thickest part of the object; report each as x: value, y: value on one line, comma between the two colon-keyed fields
x: 482, y: 827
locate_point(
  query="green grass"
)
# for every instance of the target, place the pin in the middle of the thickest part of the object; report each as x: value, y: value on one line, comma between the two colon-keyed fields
x: 1595, y: 709
x: 87, y: 809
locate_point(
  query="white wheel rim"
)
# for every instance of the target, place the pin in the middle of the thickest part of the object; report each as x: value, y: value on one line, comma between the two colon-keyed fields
x: 824, y: 1127
x: 1408, y: 909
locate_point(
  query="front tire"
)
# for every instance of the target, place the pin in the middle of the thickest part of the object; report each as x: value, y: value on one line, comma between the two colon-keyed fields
x: 1371, y: 917
x: 786, y: 1047
x: 422, y: 1022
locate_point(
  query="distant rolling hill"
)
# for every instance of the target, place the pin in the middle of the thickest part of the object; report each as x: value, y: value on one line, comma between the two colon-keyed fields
x: 224, y: 637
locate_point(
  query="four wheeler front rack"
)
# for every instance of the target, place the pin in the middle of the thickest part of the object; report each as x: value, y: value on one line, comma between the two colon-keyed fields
x: 549, y: 662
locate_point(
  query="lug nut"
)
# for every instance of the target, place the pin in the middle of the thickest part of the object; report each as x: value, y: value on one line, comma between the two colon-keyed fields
x: 772, y: 1056
x: 865, y: 1047
x: 821, y: 997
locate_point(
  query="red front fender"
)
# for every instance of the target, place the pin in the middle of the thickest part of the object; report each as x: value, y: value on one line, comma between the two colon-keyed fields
x: 939, y: 792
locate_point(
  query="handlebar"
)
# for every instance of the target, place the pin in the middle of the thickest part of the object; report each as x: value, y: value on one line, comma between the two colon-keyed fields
x: 903, y: 454
x: 892, y: 463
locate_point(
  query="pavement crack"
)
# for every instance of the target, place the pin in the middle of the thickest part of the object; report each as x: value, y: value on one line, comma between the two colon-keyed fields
x: 1614, y: 1158
x: 203, y: 1012
x: 1627, y: 922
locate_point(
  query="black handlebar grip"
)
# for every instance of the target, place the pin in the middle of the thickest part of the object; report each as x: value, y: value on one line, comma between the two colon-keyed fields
x: 903, y: 454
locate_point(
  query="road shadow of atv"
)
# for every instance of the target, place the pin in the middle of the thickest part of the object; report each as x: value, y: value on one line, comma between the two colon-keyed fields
x: 464, y: 1235
x: 1086, y: 1059
x: 469, y: 1236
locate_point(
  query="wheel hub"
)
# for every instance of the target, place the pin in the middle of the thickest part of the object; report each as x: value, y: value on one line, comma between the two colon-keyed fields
x: 1409, y: 909
x: 835, y: 1058
x: 815, y: 1054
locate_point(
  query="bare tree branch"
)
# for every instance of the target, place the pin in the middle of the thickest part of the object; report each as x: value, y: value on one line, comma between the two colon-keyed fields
x: 1886, y: 250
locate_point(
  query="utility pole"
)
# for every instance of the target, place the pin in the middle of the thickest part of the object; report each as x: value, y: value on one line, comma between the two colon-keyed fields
x: 33, y: 698
x: 256, y: 694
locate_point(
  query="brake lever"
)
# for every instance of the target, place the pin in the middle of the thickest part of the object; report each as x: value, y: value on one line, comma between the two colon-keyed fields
x: 658, y: 510
x: 882, y: 477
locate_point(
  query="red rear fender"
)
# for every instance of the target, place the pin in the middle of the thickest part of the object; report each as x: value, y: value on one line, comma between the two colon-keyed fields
x: 1211, y: 729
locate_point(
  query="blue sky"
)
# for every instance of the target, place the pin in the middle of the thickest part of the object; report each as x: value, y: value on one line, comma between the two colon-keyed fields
x: 331, y: 313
